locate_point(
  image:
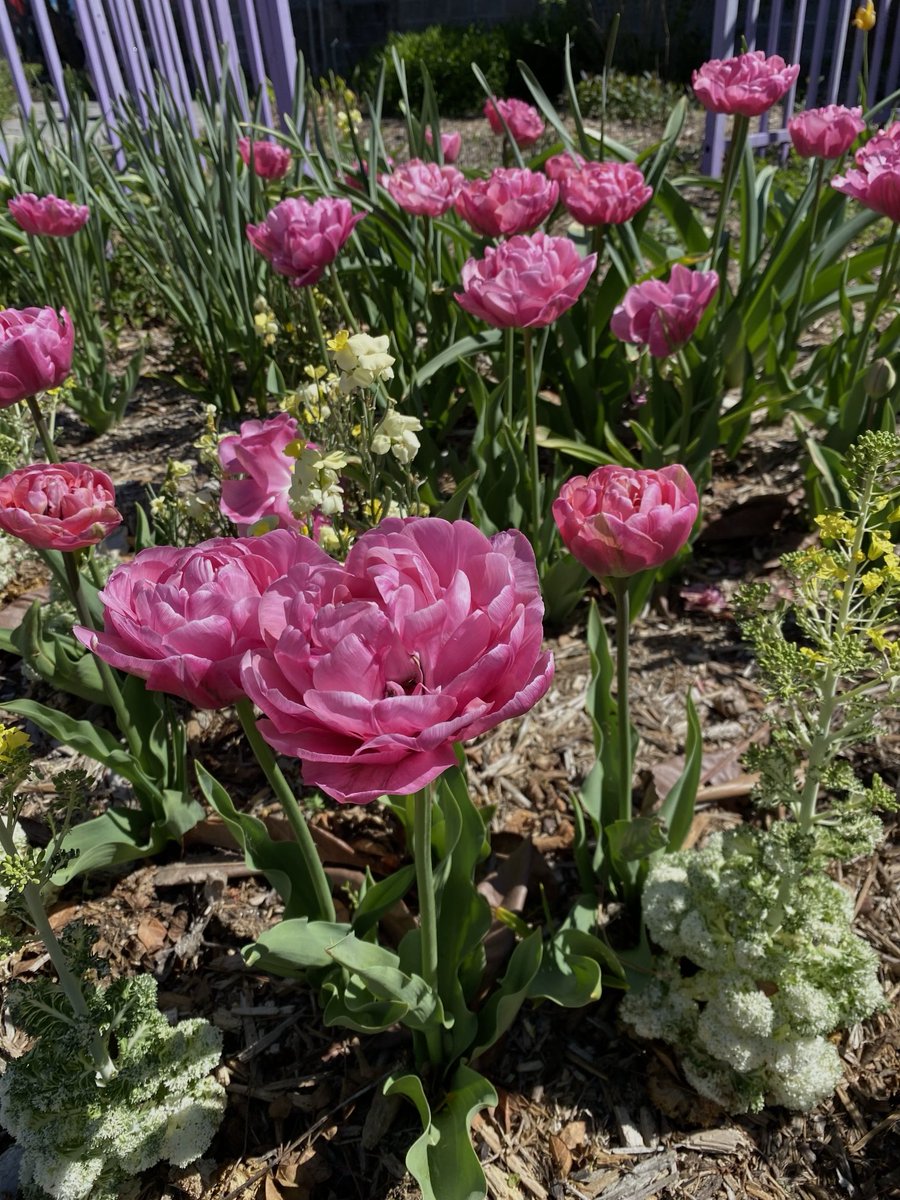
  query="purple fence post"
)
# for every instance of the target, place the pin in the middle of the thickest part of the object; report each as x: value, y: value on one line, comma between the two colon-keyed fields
x: 881, y: 29
x: 101, y: 60
x: 132, y: 55
x: 840, y: 45
x: 221, y: 10
x: 281, y: 50
x: 771, y: 48
x: 894, y: 68
x: 169, y: 35
x: 192, y: 36
x: 209, y: 36
x: 750, y: 23
x: 11, y: 51
x: 853, y: 73
x: 51, y: 54
x: 815, y: 65
x: 165, y: 65
x: 247, y: 9
x: 724, y: 30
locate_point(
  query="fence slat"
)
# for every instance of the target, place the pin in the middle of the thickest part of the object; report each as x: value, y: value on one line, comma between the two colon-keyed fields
x: 200, y: 70
x: 101, y: 60
x: 250, y: 28
x: 881, y: 29
x: 51, y: 54
x: 837, y: 53
x: 11, y: 51
x: 221, y: 10
x: 280, y: 50
x: 750, y: 23
x: 133, y: 56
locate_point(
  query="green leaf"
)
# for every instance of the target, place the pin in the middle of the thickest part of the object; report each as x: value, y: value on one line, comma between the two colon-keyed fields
x: 119, y: 835
x: 510, y: 993
x: 57, y: 657
x: 635, y: 839
x: 380, y: 898
x: 443, y: 1161
x: 379, y: 970
x: 567, y: 975
x: 282, y: 863
x: 464, y: 348
x: 294, y: 947
x: 677, y: 810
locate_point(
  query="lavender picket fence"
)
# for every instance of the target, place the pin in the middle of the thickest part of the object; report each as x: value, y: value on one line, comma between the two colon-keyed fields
x: 194, y: 46
x: 800, y: 34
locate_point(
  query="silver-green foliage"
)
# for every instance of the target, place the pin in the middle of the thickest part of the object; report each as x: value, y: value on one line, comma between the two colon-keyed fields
x: 82, y: 1138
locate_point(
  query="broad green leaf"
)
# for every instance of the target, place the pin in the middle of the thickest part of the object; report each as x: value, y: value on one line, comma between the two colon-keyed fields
x: 119, y: 835
x: 380, y: 898
x: 634, y: 840
x: 677, y: 810
x: 295, y: 946
x: 379, y: 970
x: 510, y: 993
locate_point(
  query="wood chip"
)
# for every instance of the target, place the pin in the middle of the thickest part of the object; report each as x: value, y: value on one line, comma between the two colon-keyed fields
x: 714, y: 1141
x: 629, y: 1133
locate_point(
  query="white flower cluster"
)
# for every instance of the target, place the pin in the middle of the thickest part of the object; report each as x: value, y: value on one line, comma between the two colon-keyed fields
x: 363, y: 360
x: 775, y: 970
x: 316, y: 481
x: 397, y: 434
x: 81, y: 1140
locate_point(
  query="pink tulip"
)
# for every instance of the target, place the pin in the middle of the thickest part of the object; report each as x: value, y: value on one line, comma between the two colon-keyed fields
x: 618, y: 521
x: 825, y: 132
x: 875, y: 180
x: 605, y: 193
x: 301, y: 239
x: 58, y: 506
x: 748, y: 84
x: 561, y: 166
x: 526, y: 282
x: 182, y: 618
x: 424, y: 189
x: 257, y: 474
x: 886, y: 143
x: 661, y: 315
x: 48, y: 216
x: 430, y: 635
x: 269, y: 160
x: 523, y: 119
x: 451, y: 144
x: 513, y: 200
x: 35, y: 351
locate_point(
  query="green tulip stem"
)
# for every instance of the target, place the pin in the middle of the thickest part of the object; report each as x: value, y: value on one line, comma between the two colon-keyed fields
x: 811, y: 222
x: 315, y: 322
x: 282, y: 789
x: 884, y: 283
x: 732, y: 164
x: 43, y: 431
x: 427, y: 907
x: 531, y: 386
x: 351, y: 320
x: 619, y: 589
x: 509, y: 341
x: 107, y: 675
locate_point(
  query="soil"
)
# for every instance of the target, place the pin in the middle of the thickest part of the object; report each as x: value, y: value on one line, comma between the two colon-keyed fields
x: 584, y: 1110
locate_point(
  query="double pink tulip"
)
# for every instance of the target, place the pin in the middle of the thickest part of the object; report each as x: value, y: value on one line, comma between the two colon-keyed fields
x: 301, y: 239
x: 875, y: 180
x: 663, y: 316
x: 48, y: 216
x: 182, y: 619
x: 35, y: 351
x: 268, y: 160
x: 825, y: 132
x: 257, y: 474
x: 561, y: 166
x: 511, y: 200
x: 618, y: 521
x: 451, y: 144
x: 605, y: 193
x: 424, y: 189
x: 748, y: 84
x: 370, y: 673
x: 526, y: 282
x: 58, y: 506
x: 524, y: 120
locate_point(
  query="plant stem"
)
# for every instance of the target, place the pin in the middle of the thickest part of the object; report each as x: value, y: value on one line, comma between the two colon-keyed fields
x: 509, y: 340
x: 342, y: 299
x: 812, y: 221
x: 818, y: 752
x: 43, y: 431
x: 619, y: 589
x: 280, y: 786
x: 427, y: 907
x: 107, y: 675
x: 884, y: 282
x: 732, y: 162
x: 531, y: 386
x: 316, y: 323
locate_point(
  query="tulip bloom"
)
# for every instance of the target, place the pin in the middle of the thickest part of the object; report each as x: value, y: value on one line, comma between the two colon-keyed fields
x: 58, y: 506
x: 748, y: 84
x: 561, y: 166
x: 48, y: 216
x: 424, y: 189
x: 825, y: 132
x: 605, y: 193
x: 663, y: 316
x: 301, y: 239
x: 35, y: 351
x: 512, y: 200
x: 257, y: 474
x: 451, y: 144
x: 523, y: 119
x: 182, y: 619
x: 619, y: 521
x: 429, y: 635
x: 267, y: 159
x: 875, y: 180
x: 526, y: 282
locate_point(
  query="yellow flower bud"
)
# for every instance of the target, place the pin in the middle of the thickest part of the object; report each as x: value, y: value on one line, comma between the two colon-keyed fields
x: 864, y: 17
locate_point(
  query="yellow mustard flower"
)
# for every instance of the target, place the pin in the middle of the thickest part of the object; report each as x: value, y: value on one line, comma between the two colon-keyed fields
x: 835, y: 526
x: 11, y: 740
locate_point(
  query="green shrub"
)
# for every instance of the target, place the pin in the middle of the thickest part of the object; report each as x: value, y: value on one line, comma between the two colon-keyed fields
x: 448, y: 53
x: 641, y: 99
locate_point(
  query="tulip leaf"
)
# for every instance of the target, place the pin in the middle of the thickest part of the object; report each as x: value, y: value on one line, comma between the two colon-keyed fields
x: 677, y: 810
x: 380, y: 898
x: 570, y: 973
x: 294, y: 947
x: 378, y: 968
x: 443, y: 1161
x: 282, y: 863
x: 510, y: 993
x: 119, y: 835
x: 57, y: 657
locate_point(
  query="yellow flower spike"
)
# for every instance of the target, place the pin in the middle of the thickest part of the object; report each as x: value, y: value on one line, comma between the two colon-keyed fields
x: 864, y: 17
x: 835, y: 526
x: 11, y: 740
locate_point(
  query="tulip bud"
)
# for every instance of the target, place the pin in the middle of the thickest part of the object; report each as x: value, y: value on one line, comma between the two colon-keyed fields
x: 880, y: 379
